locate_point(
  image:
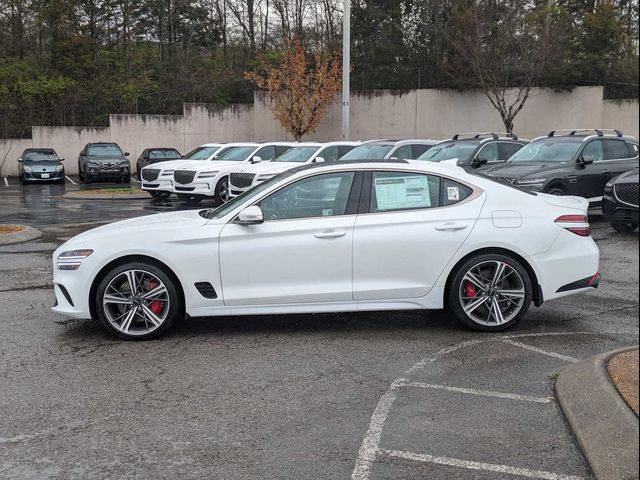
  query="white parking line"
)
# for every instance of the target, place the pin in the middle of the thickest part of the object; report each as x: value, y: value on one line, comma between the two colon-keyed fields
x: 6, y: 181
x: 566, y: 358
x: 472, y: 391
x: 135, y: 180
x: 70, y: 180
x: 438, y: 355
x: 490, y: 467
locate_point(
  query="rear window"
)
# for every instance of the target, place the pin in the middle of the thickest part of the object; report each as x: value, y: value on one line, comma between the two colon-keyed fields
x: 614, y: 149
x: 397, y: 191
x: 454, y: 192
x: 164, y: 153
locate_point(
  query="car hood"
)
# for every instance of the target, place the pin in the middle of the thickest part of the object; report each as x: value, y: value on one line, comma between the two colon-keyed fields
x: 522, y: 169
x: 43, y: 165
x: 153, y: 226
x: 179, y: 164
x: 629, y: 177
x: 114, y: 158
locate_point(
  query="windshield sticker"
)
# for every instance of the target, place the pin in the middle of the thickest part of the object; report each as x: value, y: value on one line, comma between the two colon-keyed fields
x: 395, y: 193
x: 327, y: 212
x: 453, y: 194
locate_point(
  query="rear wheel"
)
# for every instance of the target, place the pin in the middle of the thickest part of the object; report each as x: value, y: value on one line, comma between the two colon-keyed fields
x: 623, y: 227
x: 490, y: 292
x: 137, y: 301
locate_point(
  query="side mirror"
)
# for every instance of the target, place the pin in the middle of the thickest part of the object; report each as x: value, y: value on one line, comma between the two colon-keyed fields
x: 479, y: 162
x: 126, y: 154
x: 250, y: 216
x: 585, y: 160
x: 256, y: 159
x: 61, y: 159
x: 318, y: 160
x: 20, y: 160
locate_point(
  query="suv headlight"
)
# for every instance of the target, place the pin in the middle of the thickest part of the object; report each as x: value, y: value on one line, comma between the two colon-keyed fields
x: 532, y: 182
x: 59, y: 168
x: 72, y: 259
x: 27, y: 168
x: 208, y: 174
x: 608, y: 188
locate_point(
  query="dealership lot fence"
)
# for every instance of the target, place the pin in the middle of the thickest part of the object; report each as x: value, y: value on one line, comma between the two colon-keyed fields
x: 377, y: 114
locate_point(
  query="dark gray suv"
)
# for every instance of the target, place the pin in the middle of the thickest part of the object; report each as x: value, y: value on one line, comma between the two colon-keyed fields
x: 103, y: 161
x: 40, y: 165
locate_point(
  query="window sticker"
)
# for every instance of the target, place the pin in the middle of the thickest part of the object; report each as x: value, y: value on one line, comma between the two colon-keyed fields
x: 394, y: 193
x: 327, y: 212
x: 453, y: 194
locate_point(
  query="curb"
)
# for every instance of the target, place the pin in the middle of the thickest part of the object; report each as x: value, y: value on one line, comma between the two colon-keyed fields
x: 604, y: 425
x: 25, y: 235
x: 114, y: 196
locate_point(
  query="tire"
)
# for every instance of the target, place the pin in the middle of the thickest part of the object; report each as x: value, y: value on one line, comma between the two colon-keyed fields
x: 556, y: 190
x: 192, y: 199
x: 129, y: 315
x: 126, y: 179
x: 222, y: 191
x: 622, y: 227
x: 471, y: 283
x: 158, y: 195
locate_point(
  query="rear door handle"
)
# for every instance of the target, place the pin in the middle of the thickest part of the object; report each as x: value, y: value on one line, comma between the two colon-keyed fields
x: 330, y: 234
x: 450, y: 227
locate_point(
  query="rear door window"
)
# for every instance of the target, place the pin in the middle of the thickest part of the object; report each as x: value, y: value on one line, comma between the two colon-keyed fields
x: 615, y: 149
x: 399, y: 191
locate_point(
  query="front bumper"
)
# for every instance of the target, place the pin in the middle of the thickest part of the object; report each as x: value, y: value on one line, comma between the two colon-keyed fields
x: 43, y: 176
x: 617, y: 212
x: 159, y: 185
x: 95, y: 173
x: 199, y: 187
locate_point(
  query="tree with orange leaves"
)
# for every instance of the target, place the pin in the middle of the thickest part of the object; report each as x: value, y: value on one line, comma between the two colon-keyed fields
x: 300, y: 92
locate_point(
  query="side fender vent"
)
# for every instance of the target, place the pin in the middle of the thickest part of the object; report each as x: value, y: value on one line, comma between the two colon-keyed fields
x: 206, y: 289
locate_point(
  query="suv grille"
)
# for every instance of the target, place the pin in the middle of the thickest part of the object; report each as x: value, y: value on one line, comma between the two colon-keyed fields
x: 150, y: 174
x: 627, y: 193
x: 107, y: 166
x: 184, y: 176
x: 241, y: 180
x: 509, y: 180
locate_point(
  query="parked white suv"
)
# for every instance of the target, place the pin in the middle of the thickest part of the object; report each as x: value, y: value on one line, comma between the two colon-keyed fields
x: 248, y: 176
x: 211, y: 179
x: 157, y: 179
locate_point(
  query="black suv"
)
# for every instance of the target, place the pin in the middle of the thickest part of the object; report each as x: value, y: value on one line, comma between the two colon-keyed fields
x: 570, y: 162
x: 475, y: 150
x: 103, y: 161
x: 620, y: 203
x: 149, y: 156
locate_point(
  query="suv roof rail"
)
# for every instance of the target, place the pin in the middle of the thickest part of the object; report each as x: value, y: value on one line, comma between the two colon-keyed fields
x: 572, y: 131
x: 494, y: 135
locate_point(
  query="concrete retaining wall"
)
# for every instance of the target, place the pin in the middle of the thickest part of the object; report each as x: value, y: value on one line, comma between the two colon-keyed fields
x: 380, y: 114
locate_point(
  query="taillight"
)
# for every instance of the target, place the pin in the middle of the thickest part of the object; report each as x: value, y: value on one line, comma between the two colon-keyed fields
x: 578, y: 224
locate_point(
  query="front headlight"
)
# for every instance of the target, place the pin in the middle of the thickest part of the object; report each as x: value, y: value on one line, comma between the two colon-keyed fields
x: 59, y: 168
x: 27, y: 169
x: 608, y: 188
x: 208, y: 175
x: 71, y: 259
x: 532, y: 181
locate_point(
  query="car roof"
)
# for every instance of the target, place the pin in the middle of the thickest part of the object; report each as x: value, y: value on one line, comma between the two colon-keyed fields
x: 584, y: 134
x: 39, y: 150
x: 162, y: 148
x: 417, y: 141
x: 348, y: 143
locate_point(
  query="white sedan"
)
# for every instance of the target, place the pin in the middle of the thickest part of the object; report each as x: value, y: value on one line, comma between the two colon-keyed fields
x: 335, y: 238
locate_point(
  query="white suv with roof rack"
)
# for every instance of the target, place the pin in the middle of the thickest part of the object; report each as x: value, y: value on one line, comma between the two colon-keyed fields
x: 248, y: 176
x: 157, y: 179
x: 211, y: 179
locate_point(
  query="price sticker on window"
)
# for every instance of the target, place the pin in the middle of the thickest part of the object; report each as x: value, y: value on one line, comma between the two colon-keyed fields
x: 453, y: 194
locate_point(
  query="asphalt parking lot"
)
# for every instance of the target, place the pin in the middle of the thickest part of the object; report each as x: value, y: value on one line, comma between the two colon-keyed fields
x: 403, y: 395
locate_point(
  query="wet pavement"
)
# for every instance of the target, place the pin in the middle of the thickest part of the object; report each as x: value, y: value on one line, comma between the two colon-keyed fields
x: 367, y: 396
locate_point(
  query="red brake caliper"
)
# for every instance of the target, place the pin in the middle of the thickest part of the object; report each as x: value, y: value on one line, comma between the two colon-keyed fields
x: 470, y: 290
x: 156, y: 306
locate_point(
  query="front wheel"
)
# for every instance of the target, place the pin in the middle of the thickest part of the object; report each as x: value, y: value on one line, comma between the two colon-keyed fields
x: 137, y: 301
x: 222, y: 191
x: 159, y: 195
x: 490, y: 292
x: 623, y: 227
x: 557, y: 191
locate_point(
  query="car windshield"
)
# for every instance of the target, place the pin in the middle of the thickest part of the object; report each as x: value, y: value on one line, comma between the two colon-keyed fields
x: 377, y: 151
x: 104, y: 150
x: 235, y: 154
x: 164, y: 153
x: 297, y: 154
x: 448, y: 151
x: 548, y: 150
x: 201, y: 153
x: 222, y: 210
x: 40, y: 156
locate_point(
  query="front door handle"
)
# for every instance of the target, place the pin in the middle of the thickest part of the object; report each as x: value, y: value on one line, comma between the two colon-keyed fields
x: 330, y: 234
x: 606, y: 172
x: 450, y: 227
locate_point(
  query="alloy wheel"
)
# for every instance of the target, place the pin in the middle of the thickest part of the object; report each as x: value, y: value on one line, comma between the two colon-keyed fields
x: 223, y: 191
x: 136, y: 302
x: 492, y: 293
